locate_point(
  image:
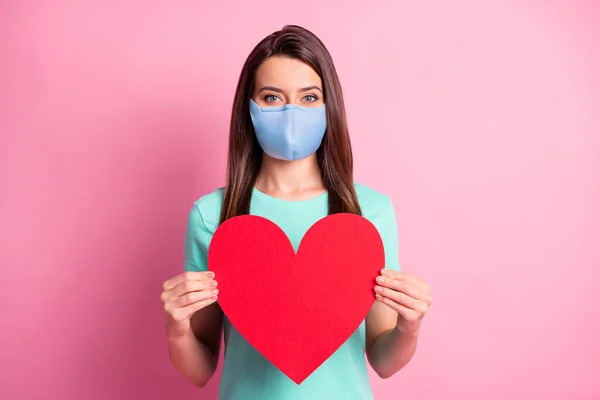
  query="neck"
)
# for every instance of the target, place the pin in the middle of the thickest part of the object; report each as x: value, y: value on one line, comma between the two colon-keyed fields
x: 282, y: 178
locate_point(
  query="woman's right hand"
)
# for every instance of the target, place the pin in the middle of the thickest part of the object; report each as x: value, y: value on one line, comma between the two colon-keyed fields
x: 185, y: 294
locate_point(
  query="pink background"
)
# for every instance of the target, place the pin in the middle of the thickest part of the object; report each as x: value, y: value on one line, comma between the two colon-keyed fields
x: 480, y: 119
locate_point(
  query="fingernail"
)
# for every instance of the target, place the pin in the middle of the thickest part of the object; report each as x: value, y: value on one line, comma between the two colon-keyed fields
x: 378, y: 289
x: 384, y: 272
x: 215, y: 292
x: 210, y: 275
x: 380, y: 279
x: 213, y: 284
x: 378, y: 296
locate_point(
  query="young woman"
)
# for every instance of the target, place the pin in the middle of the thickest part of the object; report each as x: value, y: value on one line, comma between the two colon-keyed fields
x: 290, y: 161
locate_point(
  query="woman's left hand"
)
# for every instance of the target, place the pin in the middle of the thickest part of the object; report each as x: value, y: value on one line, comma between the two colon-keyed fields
x: 406, y: 294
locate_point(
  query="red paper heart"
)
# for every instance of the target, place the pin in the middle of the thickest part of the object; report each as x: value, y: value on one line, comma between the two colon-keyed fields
x: 296, y: 309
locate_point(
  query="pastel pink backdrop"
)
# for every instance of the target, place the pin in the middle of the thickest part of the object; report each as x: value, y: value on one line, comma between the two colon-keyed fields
x: 480, y: 119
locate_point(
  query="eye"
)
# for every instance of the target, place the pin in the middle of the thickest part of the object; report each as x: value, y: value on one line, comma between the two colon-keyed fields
x: 311, y: 98
x: 271, y: 98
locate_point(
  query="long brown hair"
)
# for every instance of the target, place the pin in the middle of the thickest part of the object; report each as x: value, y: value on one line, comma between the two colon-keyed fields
x: 245, y: 154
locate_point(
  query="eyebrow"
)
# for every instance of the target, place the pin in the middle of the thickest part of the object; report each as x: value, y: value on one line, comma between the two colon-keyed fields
x: 275, y: 89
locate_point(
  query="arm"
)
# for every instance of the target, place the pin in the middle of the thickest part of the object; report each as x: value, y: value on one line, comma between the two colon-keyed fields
x: 389, y: 348
x: 393, y: 323
x: 195, y: 354
x: 194, y: 319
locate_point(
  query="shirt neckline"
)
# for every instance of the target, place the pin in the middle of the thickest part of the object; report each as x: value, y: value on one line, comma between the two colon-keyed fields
x: 287, y: 203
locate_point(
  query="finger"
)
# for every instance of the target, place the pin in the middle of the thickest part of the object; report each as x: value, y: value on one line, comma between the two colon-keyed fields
x: 193, y: 297
x: 405, y: 312
x: 403, y: 286
x: 182, y: 313
x: 192, y: 286
x: 405, y: 276
x: 188, y: 276
x: 402, y: 299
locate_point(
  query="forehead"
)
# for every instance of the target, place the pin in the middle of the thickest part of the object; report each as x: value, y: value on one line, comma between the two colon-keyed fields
x: 284, y: 72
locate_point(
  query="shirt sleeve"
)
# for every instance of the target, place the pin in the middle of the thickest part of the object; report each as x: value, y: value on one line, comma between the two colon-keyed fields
x: 387, y: 225
x: 196, y: 242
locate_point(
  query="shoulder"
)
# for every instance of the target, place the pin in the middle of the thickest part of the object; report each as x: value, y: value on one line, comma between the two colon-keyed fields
x: 377, y: 207
x: 207, y: 209
x: 371, y: 200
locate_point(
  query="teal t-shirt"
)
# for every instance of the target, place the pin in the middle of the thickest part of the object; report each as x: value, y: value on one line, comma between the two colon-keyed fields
x: 247, y: 375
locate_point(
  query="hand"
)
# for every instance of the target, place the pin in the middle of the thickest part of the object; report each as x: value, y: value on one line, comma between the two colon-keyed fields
x: 406, y: 294
x: 185, y: 294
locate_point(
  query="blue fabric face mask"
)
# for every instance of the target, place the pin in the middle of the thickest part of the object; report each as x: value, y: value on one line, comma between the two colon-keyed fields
x: 289, y: 132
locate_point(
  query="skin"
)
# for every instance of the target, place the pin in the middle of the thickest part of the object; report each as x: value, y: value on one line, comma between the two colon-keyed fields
x: 194, y: 321
x: 279, y: 81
